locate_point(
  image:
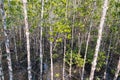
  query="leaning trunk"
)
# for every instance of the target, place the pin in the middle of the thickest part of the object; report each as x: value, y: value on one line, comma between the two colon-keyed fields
x: 87, y: 43
x: 117, y: 71
x: 94, y: 63
x: 107, y: 58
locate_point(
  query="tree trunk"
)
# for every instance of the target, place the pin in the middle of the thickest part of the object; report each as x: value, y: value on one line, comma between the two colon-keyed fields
x: 87, y: 43
x: 15, y: 46
x: 70, y: 69
x: 51, y: 42
x: 94, y: 63
x: 1, y: 69
x: 20, y: 37
x: 27, y: 39
x: 51, y: 59
x: 41, y: 52
x: 79, y: 42
x: 63, y: 77
x: 64, y: 58
x: 117, y: 71
x: 6, y: 40
x: 107, y: 58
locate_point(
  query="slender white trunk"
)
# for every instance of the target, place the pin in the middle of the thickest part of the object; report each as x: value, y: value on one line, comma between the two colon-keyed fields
x: 36, y: 43
x: 87, y: 43
x: 1, y: 69
x: 27, y: 39
x: 41, y: 53
x: 117, y: 71
x: 63, y: 77
x: 94, y: 63
x: 14, y: 38
x: 6, y: 40
x: 51, y: 59
x: 79, y: 51
x: 15, y: 46
x: 51, y: 42
x: 20, y: 37
x: 107, y: 58
x: 70, y: 69
x: 79, y: 43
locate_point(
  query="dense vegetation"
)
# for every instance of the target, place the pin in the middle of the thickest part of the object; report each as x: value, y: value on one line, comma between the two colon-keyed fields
x: 59, y: 39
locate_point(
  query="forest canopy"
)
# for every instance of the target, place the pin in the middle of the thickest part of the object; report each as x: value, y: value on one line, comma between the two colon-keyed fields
x: 59, y: 39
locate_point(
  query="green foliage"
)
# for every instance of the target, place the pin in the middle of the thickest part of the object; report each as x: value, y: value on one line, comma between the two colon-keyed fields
x: 55, y: 56
x: 61, y: 27
x: 97, y: 78
x: 57, y: 75
x: 76, y: 59
x: 114, y: 29
x: 51, y: 39
x: 113, y: 71
x: 101, y: 59
x: 87, y: 79
x: 62, y: 24
x: 59, y: 40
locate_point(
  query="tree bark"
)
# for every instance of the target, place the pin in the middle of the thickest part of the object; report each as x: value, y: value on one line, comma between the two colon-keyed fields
x: 87, y: 43
x: 10, y: 70
x: 94, y: 63
x: 27, y: 39
x: 15, y: 46
x: 51, y: 42
x: 63, y: 77
x: 1, y: 69
x: 72, y: 33
x: 79, y: 42
x: 41, y: 52
x: 66, y: 13
x: 117, y: 71
x: 51, y: 54
x: 107, y: 58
